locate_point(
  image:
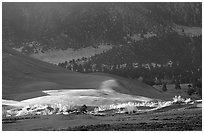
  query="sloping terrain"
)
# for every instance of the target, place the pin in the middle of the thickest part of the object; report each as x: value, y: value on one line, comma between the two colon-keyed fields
x: 40, y: 96
x: 25, y: 77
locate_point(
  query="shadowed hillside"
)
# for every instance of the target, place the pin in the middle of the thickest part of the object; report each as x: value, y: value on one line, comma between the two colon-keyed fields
x: 23, y: 74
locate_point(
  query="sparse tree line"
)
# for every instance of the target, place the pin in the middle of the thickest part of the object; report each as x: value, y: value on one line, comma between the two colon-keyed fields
x: 134, y: 70
x: 150, y: 73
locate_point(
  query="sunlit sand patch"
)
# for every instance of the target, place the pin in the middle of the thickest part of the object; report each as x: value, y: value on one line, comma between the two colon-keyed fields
x: 105, y: 95
x: 64, y: 100
x: 89, y: 97
x: 105, y: 98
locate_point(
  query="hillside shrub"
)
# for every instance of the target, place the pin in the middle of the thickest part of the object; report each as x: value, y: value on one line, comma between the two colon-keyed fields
x: 164, y: 88
x: 83, y: 109
x: 190, y: 91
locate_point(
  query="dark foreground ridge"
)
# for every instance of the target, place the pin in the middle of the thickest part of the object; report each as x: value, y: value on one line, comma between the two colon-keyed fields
x: 180, y: 119
x: 159, y: 123
x: 180, y: 126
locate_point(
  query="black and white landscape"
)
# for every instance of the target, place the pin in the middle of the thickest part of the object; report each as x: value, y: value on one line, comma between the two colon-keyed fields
x: 102, y: 66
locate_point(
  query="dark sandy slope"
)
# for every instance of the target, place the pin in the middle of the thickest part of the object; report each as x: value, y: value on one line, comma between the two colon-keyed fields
x: 25, y: 77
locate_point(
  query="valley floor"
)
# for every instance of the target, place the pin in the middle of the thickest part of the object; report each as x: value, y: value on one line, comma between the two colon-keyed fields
x: 174, y: 119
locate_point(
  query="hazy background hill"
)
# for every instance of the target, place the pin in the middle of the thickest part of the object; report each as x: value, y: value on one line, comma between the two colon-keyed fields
x: 76, y: 25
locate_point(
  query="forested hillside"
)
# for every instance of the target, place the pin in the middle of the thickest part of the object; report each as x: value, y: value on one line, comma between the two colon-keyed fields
x: 76, y: 25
